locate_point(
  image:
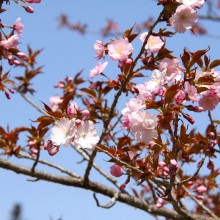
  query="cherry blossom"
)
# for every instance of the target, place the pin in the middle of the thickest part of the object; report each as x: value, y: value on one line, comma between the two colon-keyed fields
x: 172, y: 67
x: 143, y: 126
x: 55, y: 101
x: 62, y: 132
x: 18, y: 26
x: 86, y: 135
x: 11, y: 42
x: 180, y: 97
x: 209, y: 100
x: 184, y: 18
x: 154, y: 43
x: 191, y: 91
x: 100, y: 49
x: 192, y: 3
x: 120, y: 49
x: 72, y: 109
x: 98, y: 69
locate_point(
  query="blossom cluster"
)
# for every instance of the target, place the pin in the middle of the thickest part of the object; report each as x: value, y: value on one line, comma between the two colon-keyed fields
x: 119, y: 49
x: 11, y: 41
x: 81, y: 133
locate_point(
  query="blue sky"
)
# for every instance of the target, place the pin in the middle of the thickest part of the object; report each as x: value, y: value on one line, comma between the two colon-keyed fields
x: 64, y: 54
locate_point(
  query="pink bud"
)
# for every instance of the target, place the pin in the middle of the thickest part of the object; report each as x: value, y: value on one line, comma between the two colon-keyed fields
x: 22, y: 55
x: 11, y: 91
x: 32, y: 143
x: 53, y: 150
x: 173, y: 164
x: 201, y: 189
x: 78, y: 121
x: 48, y: 144
x: 7, y: 95
x: 116, y: 170
x: 33, y: 152
x: 211, y: 134
x: 188, y: 118
x: 85, y: 112
x: 56, y: 85
x: 16, y: 62
x: 200, y: 197
x: 69, y: 80
x: 161, y: 164
x: 28, y: 9
x: 33, y: 1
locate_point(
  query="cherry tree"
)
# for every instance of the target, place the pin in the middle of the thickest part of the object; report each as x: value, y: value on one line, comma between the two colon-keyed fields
x: 150, y: 139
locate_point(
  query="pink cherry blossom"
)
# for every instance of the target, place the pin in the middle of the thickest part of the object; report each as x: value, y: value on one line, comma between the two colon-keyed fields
x: 126, y: 121
x: 173, y: 72
x: 201, y: 189
x: 184, y: 18
x: 86, y: 135
x: 120, y: 49
x: 146, y: 90
x: 62, y: 132
x: 180, y: 97
x: 133, y: 104
x: 116, y: 170
x: 191, y: 91
x: 154, y: 43
x: 55, y: 101
x: 209, y: 100
x: 98, y: 69
x: 11, y: 42
x: 72, y: 109
x: 18, y: 26
x: 100, y: 49
x: 143, y: 126
x: 192, y: 3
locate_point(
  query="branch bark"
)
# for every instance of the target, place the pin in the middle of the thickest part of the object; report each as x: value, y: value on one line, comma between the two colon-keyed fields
x: 97, y: 188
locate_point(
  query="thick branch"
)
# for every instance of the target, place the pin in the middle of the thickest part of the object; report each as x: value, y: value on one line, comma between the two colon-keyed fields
x: 97, y: 188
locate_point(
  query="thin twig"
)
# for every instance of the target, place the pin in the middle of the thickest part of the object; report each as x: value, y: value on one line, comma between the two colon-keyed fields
x: 200, y: 203
x: 108, y: 205
x: 194, y: 175
x: 33, y: 104
x: 61, y: 169
x: 85, y: 155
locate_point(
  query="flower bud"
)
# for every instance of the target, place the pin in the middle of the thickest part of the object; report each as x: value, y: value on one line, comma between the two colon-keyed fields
x: 22, y: 55
x: 116, y: 170
x: 28, y: 9
x: 201, y: 189
x: 53, y: 150
x: 188, y: 118
x: 85, y: 112
x: 48, y: 144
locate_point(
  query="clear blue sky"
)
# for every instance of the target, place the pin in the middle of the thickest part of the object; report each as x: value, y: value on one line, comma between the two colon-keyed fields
x: 64, y: 54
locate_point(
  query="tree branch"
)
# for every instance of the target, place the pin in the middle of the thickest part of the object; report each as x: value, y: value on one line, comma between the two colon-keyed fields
x: 97, y: 188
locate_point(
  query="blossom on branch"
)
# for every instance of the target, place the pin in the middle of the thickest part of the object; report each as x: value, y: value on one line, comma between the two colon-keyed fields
x: 184, y: 18
x: 100, y: 49
x: 154, y: 43
x: 120, y: 49
x: 98, y: 69
x: 63, y: 131
x: 18, y: 26
x: 192, y: 3
x: 11, y: 42
x: 85, y: 135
